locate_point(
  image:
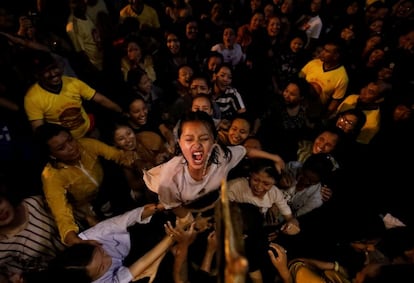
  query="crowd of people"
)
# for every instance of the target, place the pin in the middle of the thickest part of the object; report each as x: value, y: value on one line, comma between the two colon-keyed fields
x: 120, y: 120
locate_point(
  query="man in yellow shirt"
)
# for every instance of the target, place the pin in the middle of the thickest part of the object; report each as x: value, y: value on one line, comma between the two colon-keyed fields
x: 58, y: 99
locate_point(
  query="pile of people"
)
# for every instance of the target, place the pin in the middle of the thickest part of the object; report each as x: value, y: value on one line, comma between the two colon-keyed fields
x: 126, y: 117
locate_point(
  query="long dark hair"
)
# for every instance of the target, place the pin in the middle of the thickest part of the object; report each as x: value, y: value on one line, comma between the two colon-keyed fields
x: 206, y: 120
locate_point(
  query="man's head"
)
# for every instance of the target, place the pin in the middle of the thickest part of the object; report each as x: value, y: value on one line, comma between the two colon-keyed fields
x: 47, y: 70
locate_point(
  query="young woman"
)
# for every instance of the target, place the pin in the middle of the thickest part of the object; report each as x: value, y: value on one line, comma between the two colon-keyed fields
x: 190, y: 182
x: 28, y: 232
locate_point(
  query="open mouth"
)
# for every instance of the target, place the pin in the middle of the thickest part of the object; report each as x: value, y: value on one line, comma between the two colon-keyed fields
x: 198, y: 157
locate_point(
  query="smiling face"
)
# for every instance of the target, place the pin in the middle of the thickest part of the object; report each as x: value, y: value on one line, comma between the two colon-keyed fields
x: 273, y: 26
x: 64, y: 147
x: 124, y: 138
x: 223, y: 78
x: 138, y: 112
x: 99, y: 264
x: 347, y: 123
x: 173, y: 43
x: 51, y: 76
x: 196, y: 142
x: 238, y: 131
x: 7, y: 212
x: 325, y: 142
x: 260, y: 183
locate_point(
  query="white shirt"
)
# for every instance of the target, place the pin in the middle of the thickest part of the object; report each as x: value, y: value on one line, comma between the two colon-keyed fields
x: 116, y: 242
x: 239, y: 191
x: 176, y: 187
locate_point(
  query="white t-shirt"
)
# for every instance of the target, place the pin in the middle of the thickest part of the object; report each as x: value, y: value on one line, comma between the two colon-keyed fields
x: 239, y: 191
x: 175, y: 186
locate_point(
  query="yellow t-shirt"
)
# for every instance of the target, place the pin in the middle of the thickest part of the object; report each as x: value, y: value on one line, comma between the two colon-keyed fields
x: 148, y: 17
x: 64, y: 108
x: 329, y: 84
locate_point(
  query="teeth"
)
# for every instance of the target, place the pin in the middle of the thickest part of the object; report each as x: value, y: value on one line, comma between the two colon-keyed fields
x: 197, y: 153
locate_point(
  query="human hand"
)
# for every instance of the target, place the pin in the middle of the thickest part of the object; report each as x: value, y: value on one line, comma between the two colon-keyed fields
x: 279, y: 260
x: 183, y: 237
x: 212, y: 242
x: 291, y: 227
x: 326, y: 193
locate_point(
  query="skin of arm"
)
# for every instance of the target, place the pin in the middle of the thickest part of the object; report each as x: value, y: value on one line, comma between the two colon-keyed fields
x: 5, y: 103
x: 36, y: 123
x: 210, y: 252
x: 184, y: 239
x: 106, y: 102
x: 169, y: 136
x: 256, y: 153
x: 332, y: 107
x: 280, y: 262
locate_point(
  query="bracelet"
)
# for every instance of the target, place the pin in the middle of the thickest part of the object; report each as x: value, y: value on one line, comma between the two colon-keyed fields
x: 336, y: 266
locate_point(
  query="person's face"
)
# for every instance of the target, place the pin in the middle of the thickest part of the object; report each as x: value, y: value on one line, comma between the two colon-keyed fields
x: 223, y: 78
x: 256, y: 21
x: 213, y: 62
x: 260, y: 183
x: 196, y: 142
x: 191, y: 30
x: 239, y: 131
x: 385, y: 73
x: 373, y: 41
x: 229, y: 37
x: 325, y: 143
x: 376, y: 26
x: 406, y: 41
x: 401, y: 112
x: 134, y: 52
x: 405, y: 9
x: 347, y: 34
x: 64, y: 147
x: 291, y: 95
x: 145, y: 84
x: 51, y: 75
x: 255, y: 4
x: 329, y: 53
x: 268, y: 11
x: 202, y: 104
x: 347, y: 122
x: 138, y: 112
x: 199, y: 86
x: 184, y: 76
x: 273, y: 27
x: 173, y: 44
x: 296, y: 44
x: 7, y: 212
x: 124, y: 138
x: 352, y: 8
x: 307, y: 178
x: 376, y: 56
x: 99, y: 264
x: 369, y: 93
x: 315, y: 6
x: 286, y: 7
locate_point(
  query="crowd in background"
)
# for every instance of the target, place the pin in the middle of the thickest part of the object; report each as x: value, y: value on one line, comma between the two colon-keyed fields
x: 96, y: 97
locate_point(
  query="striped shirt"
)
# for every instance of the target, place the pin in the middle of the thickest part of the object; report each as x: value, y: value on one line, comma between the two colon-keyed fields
x: 229, y: 103
x: 32, y: 247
